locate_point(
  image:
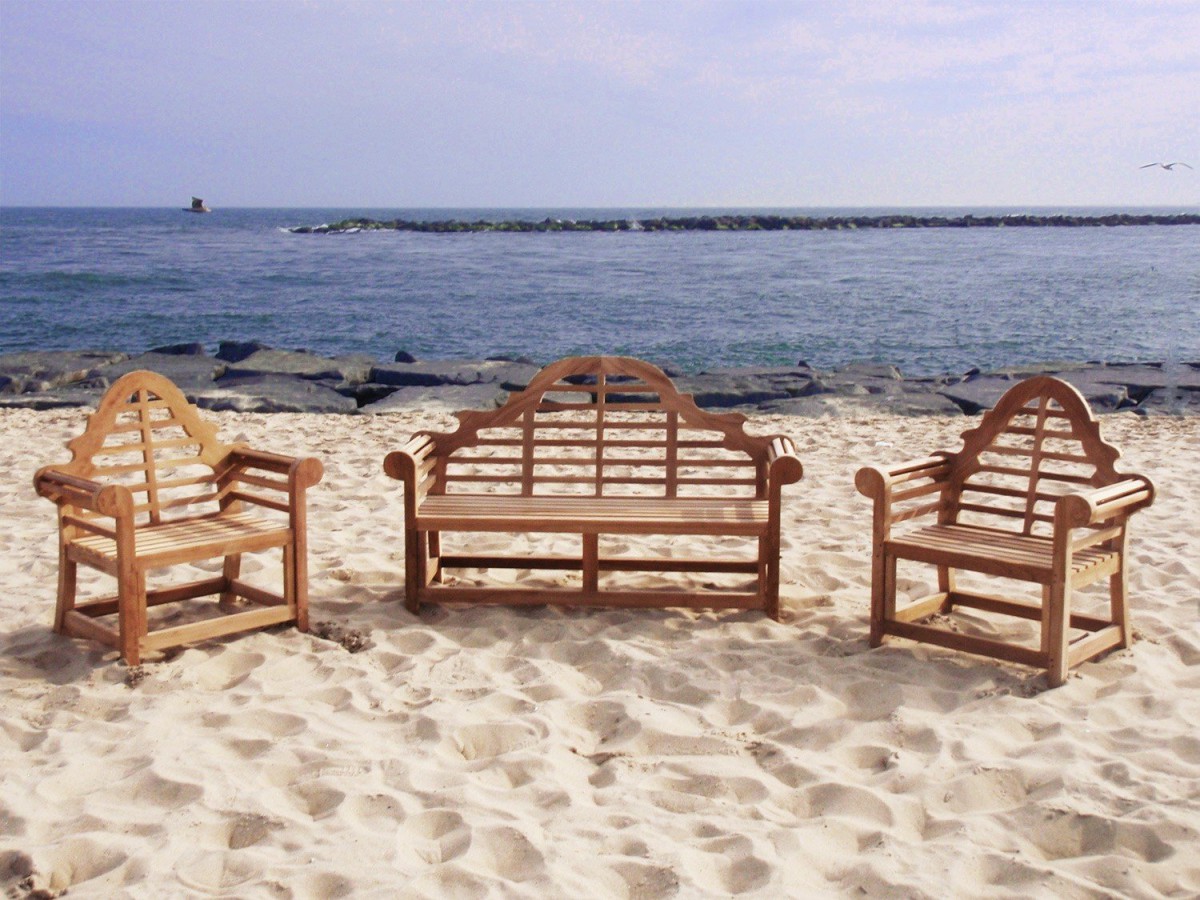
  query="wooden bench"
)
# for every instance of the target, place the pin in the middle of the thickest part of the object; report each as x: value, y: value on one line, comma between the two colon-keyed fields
x: 1033, y: 495
x: 149, y: 485
x: 595, y: 446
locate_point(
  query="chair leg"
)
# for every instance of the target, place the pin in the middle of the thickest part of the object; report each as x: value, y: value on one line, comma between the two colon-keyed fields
x: 131, y: 614
x: 883, y: 594
x: 1118, y: 591
x: 295, y: 584
x: 67, y: 579
x: 231, y: 570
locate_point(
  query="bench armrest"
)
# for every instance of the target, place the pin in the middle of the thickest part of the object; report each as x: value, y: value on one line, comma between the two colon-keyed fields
x: 783, y: 465
x: 413, y: 464
x: 1093, y: 507
x: 402, y: 464
x: 113, y: 500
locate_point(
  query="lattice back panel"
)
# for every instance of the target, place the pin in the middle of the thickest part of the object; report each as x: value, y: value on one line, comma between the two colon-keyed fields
x: 601, y: 436
x: 1026, y: 457
x: 149, y: 439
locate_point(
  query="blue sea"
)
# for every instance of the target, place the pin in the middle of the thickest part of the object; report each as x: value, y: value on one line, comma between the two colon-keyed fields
x: 927, y: 300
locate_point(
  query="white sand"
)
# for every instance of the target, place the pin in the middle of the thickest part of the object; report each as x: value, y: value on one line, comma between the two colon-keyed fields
x: 542, y: 753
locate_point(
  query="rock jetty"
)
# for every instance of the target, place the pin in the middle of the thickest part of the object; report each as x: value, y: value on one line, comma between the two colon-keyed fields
x: 253, y: 377
x: 748, y: 223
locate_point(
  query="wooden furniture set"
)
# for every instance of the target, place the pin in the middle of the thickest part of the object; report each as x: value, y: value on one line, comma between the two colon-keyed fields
x: 600, y: 447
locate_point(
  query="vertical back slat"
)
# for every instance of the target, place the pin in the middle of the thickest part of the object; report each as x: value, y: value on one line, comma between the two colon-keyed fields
x: 601, y: 404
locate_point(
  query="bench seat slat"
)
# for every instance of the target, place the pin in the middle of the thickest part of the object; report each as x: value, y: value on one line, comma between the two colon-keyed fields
x: 583, y: 515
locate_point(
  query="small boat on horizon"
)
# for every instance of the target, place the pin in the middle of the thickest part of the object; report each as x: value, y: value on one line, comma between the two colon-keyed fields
x: 197, y: 206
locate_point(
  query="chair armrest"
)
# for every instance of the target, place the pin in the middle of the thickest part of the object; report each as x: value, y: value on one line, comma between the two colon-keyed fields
x: 783, y: 465
x: 301, y: 471
x: 877, y: 482
x: 1123, y: 498
x: 71, y: 490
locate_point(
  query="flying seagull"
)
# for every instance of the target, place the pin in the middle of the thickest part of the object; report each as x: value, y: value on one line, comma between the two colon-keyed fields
x: 1168, y: 166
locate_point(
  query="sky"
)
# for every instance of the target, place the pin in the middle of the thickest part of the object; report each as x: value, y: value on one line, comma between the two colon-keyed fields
x: 599, y: 104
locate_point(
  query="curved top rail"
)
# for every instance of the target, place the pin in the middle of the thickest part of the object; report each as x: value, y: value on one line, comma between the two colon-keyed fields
x: 603, y: 368
x: 134, y: 392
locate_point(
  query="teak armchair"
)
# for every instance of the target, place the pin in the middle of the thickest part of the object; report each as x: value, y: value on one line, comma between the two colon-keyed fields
x: 1032, y: 495
x: 149, y: 485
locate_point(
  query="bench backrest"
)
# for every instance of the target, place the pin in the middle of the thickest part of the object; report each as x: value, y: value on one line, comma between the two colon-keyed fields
x: 146, y: 436
x: 1038, y: 443
x: 601, y: 426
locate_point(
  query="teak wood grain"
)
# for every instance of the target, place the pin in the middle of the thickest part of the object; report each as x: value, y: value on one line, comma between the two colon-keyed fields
x: 595, y: 446
x: 1032, y: 496
x: 149, y: 485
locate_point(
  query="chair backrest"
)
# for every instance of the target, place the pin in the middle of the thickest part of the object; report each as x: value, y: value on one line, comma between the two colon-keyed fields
x: 601, y: 426
x: 146, y: 436
x: 1038, y: 443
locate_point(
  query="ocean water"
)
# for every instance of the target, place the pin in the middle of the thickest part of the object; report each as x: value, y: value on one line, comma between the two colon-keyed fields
x: 928, y: 300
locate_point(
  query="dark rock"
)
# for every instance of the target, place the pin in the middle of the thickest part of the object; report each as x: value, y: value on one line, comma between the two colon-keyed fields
x: 349, y: 369
x: 508, y: 357
x: 716, y: 391
x: 54, y: 368
x: 864, y: 370
x: 180, y: 350
x: 274, y: 393
x: 57, y: 398
x: 978, y: 394
x: 403, y: 356
x: 367, y: 393
x: 441, y: 397
x: 434, y: 374
x: 236, y: 351
x: 1167, y: 401
x: 189, y: 373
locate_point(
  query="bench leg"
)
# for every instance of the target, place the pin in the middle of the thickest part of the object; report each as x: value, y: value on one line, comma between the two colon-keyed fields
x: 413, y: 569
x: 1056, y: 613
x: 435, y: 554
x: 231, y: 570
x: 768, y: 575
x: 946, y: 586
x: 591, y: 563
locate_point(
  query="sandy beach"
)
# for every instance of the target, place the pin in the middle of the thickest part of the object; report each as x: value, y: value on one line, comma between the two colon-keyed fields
x: 497, y: 752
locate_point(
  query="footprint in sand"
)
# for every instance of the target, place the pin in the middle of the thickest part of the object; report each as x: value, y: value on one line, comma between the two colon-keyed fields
x: 984, y: 790
x: 275, y: 724
x: 153, y: 789
x: 508, y: 853
x: 317, y: 800
x: 79, y: 860
x: 485, y: 741
x: 1067, y: 835
x: 434, y: 836
x: 376, y: 811
x: 248, y: 829
x: 217, y: 873
x: 226, y: 669
x: 647, y: 880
